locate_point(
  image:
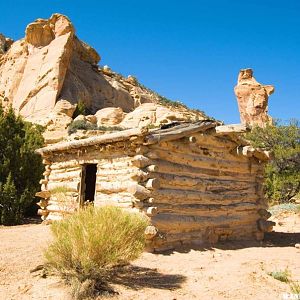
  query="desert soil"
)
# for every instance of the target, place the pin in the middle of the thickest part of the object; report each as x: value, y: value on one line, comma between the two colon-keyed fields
x: 226, y: 271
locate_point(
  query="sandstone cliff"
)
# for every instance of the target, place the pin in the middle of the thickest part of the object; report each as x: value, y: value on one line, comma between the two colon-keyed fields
x: 46, y: 74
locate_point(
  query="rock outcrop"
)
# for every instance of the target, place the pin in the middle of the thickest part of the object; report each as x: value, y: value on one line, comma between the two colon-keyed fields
x: 252, y: 99
x: 45, y: 75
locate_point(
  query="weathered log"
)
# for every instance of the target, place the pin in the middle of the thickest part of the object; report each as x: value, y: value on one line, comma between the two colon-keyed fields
x: 151, y: 211
x: 43, y: 212
x: 178, y: 132
x: 232, y: 128
x: 66, y: 164
x: 191, y: 139
x: 212, y: 163
x: 265, y: 226
x: 109, y: 187
x: 43, y: 203
x: 264, y: 213
x: 150, y: 232
x: 43, y: 194
x: 177, y: 223
x: 65, y: 176
x: 139, y: 192
x: 141, y: 161
x: 208, y: 209
x: 140, y: 176
x: 152, y: 168
x: 71, y: 186
x: 194, y: 197
x: 101, y: 139
x: 176, y: 168
x: 153, y: 184
x: 249, y: 151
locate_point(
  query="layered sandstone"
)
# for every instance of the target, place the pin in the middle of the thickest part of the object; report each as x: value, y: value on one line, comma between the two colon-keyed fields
x: 252, y: 99
x: 45, y: 75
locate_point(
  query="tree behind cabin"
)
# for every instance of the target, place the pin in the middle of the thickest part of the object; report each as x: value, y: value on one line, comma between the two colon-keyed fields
x: 20, y: 168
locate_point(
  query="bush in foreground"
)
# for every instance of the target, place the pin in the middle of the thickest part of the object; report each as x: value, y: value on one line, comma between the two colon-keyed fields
x: 88, y: 245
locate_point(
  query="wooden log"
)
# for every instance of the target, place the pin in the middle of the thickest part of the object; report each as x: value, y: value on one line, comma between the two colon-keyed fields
x: 141, y: 161
x: 151, y: 211
x: 191, y: 139
x: 175, y: 168
x: 72, y: 163
x: 101, y: 139
x: 178, y: 132
x: 222, y: 186
x: 72, y: 186
x: 232, y: 128
x: 43, y: 203
x: 139, y: 192
x: 153, y: 184
x: 150, y: 232
x: 212, y: 163
x: 207, y: 209
x: 140, y: 176
x: 249, y: 151
x: 194, y: 197
x: 264, y: 213
x: 65, y: 176
x: 175, y: 223
x: 43, y: 194
x: 43, y: 212
x: 43, y: 181
x: 109, y: 187
x: 152, y: 168
x: 265, y: 226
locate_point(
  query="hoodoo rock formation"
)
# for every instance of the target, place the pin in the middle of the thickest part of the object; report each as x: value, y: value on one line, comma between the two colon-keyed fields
x: 252, y: 99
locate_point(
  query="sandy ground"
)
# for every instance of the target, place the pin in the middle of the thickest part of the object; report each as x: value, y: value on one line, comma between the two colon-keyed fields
x: 227, y: 271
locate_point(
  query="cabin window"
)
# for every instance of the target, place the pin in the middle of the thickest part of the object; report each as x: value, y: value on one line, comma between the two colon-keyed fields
x: 88, y: 183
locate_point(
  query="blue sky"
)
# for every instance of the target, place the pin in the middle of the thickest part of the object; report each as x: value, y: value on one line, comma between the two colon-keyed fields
x: 186, y: 50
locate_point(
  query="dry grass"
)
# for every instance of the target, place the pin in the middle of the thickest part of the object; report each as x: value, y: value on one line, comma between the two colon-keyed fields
x: 91, y: 243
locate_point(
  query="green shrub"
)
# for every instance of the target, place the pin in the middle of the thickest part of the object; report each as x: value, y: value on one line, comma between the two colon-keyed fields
x: 84, y: 125
x: 89, y: 244
x: 282, y: 174
x: 81, y: 124
x: 80, y: 109
x: 20, y: 167
x: 283, y: 276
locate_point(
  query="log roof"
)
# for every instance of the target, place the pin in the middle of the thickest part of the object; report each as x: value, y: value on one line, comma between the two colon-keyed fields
x: 166, y: 133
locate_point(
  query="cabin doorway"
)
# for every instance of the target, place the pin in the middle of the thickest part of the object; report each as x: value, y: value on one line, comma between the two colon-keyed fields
x: 88, y: 183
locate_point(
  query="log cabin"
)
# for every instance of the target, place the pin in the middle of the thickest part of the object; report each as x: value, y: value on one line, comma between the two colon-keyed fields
x: 197, y: 182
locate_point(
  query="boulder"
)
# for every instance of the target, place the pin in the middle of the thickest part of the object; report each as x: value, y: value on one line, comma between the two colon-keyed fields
x: 152, y: 114
x: 91, y: 118
x: 65, y: 107
x: 109, y: 116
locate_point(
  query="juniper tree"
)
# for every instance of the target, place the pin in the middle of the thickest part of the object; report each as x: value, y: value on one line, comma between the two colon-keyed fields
x: 282, y: 174
x: 20, y: 168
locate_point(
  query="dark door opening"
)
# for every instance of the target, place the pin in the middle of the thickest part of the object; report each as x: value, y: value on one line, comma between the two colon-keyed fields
x: 89, y: 182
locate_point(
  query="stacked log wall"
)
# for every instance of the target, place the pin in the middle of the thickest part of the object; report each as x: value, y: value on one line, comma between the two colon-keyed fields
x: 207, y: 192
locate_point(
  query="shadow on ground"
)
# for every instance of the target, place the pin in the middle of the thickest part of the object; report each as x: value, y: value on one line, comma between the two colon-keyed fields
x: 136, y: 277
x: 272, y: 239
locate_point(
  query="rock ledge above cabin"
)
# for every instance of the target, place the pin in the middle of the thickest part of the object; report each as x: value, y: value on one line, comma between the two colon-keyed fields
x: 45, y: 75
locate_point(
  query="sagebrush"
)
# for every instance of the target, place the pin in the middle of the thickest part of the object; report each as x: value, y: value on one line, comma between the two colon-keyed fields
x: 88, y: 245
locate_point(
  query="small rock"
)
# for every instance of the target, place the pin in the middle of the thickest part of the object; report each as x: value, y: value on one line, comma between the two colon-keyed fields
x: 297, y: 246
x: 80, y: 118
